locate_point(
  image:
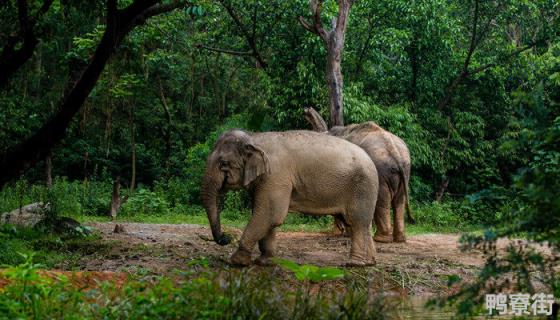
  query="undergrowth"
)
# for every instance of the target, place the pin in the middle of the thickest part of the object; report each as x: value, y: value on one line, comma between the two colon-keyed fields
x: 167, y: 203
x: 194, y: 294
x: 50, y: 249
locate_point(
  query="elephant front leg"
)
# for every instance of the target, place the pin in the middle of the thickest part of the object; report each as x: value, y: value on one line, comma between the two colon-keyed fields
x: 267, y: 247
x: 268, y: 213
x: 255, y: 231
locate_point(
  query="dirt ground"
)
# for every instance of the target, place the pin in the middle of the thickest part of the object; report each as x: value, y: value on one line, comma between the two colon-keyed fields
x: 418, y: 267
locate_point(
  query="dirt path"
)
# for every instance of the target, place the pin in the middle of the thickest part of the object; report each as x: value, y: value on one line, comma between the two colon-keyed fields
x: 420, y: 266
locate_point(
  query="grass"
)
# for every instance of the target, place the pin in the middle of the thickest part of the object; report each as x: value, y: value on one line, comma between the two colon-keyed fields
x: 171, y: 203
x: 50, y: 249
x: 195, y: 293
x: 294, y: 222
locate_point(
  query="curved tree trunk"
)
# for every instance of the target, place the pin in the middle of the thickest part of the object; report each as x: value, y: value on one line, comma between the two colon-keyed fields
x: 120, y: 22
x: 315, y: 120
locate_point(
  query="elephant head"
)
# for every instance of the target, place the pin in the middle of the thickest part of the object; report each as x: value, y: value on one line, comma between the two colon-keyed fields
x: 235, y: 162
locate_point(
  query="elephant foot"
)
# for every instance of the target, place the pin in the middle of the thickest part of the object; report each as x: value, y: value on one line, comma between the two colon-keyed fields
x: 383, y: 238
x: 355, y: 262
x: 399, y: 238
x: 263, y: 261
x: 241, y: 258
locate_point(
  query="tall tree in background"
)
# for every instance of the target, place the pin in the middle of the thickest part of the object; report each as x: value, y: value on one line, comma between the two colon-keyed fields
x: 119, y: 22
x: 334, y: 41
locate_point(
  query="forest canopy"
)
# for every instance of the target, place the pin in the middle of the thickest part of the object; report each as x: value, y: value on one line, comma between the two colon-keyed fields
x: 96, y: 96
x: 445, y: 76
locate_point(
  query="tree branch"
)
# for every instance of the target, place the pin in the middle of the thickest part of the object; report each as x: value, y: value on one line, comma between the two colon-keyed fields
x: 23, y: 155
x: 250, y: 39
x: 474, y: 41
x: 11, y: 59
x: 342, y: 17
x: 450, y: 89
x: 307, y: 26
x: 232, y: 52
x: 316, y: 7
x: 507, y: 57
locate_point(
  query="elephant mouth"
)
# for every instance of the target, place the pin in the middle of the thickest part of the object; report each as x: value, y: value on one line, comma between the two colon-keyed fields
x: 229, y: 182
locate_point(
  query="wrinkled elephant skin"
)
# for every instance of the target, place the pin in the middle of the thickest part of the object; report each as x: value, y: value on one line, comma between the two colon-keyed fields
x: 301, y: 171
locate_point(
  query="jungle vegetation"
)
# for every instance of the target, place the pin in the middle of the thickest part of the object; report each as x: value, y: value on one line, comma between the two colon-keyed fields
x: 131, y: 95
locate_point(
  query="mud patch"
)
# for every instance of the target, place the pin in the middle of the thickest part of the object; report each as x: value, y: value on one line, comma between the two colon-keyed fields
x: 418, y: 267
x: 77, y: 279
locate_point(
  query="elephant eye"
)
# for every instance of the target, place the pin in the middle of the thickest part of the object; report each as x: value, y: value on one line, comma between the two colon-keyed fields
x: 224, y: 163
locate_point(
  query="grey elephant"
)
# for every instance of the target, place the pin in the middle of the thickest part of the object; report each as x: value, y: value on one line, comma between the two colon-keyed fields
x: 300, y: 171
x: 392, y: 160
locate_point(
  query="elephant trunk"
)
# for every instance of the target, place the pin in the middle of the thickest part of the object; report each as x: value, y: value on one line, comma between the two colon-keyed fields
x: 210, y: 192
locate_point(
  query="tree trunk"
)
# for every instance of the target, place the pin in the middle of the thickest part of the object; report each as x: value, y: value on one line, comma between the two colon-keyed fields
x: 166, y: 131
x: 442, y: 188
x: 334, y: 42
x: 315, y: 120
x: 132, y: 148
x: 48, y: 171
x: 120, y: 22
x: 115, y: 198
x: 412, y: 51
x: 334, y: 82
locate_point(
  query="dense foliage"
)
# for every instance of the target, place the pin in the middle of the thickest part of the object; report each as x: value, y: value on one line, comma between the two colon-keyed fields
x: 166, y: 89
x: 473, y: 87
x: 194, y: 294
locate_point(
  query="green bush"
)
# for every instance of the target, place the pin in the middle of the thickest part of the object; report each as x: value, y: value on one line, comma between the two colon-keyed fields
x: 95, y: 197
x: 175, y: 190
x: 236, y: 205
x: 49, y: 248
x: 144, y: 202
x: 439, y: 214
x: 191, y: 295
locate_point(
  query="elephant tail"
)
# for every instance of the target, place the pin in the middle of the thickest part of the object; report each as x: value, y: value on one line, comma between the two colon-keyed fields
x: 407, y: 207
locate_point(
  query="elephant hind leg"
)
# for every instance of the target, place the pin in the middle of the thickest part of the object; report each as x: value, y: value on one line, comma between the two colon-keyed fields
x: 382, y: 216
x: 398, y: 223
x: 383, y: 225
x: 362, y: 251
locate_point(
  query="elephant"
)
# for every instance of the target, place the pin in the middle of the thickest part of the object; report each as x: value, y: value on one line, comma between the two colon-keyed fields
x: 301, y: 171
x: 392, y: 160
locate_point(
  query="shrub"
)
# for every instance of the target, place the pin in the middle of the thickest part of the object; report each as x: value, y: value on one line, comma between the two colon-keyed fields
x: 439, y: 214
x: 95, y: 197
x: 190, y: 295
x: 145, y: 202
x: 175, y: 191
x: 236, y: 205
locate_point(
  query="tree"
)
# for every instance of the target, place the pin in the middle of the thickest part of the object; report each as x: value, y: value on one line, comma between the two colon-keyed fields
x: 119, y: 22
x: 21, y: 44
x: 334, y: 41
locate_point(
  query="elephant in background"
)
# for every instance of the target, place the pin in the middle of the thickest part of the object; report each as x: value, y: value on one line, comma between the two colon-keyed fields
x: 300, y: 171
x: 392, y: 160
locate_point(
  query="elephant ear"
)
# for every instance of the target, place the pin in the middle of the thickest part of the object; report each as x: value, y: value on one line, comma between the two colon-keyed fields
x: 256, y: 164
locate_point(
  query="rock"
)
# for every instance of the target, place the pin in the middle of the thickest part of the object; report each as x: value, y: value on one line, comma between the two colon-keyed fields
x: 26, y: 216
